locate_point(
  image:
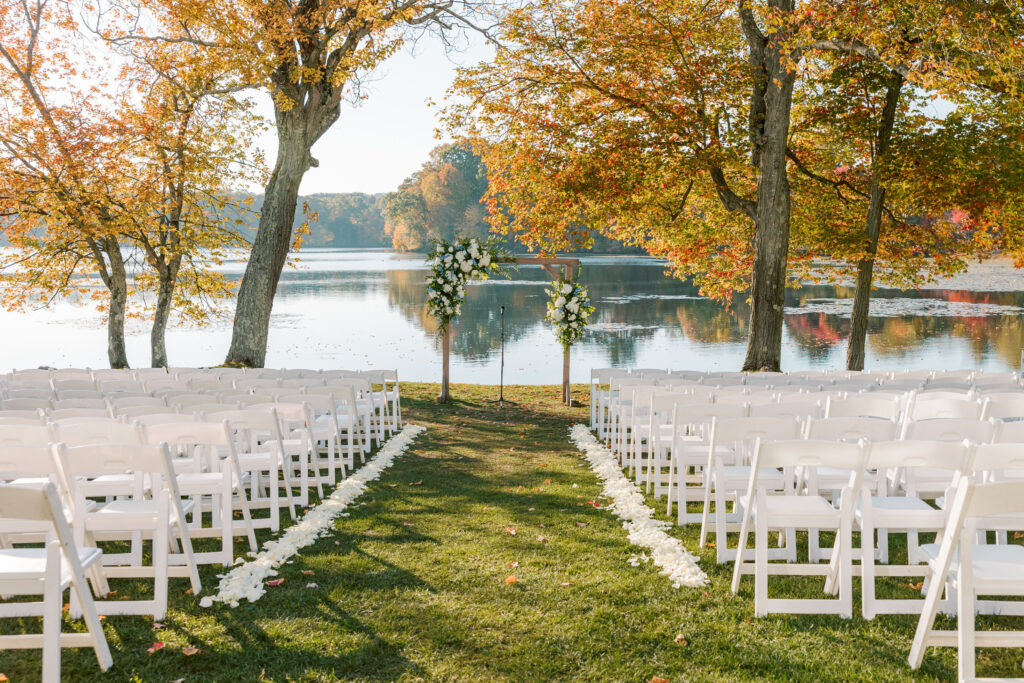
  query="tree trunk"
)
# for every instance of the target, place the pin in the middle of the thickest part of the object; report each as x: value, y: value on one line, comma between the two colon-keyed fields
x: 117, y: 285
x: 771, y: 221
x: 855, y: 351
x: 164, y: 304
x: 270, y: 248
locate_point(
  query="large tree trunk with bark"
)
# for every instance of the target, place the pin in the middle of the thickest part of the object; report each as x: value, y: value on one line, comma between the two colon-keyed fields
x: 273, y: 239
x: 164, y: 303
x: 116, y: 280
x: 855, y: 351
x: 771, y: 215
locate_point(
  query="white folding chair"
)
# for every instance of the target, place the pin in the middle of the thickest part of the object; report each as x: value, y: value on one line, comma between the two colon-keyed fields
x: 687, y: 477
x: 729, y: 472
x: 924, y: 408
x: 48, y: 571
x: 908, y: 513
x: 207, y: 467
x: 155, y: 511
x: 863, y: 406
x: 970, y: 570
x: 794, y: 511
x: 261, y: 454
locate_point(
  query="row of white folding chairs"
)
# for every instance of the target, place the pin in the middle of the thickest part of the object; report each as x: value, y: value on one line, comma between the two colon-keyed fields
x: 859, y: 506
x: 365, y: 413
x: 84, y: 383
x: 625, y: 413
x: 257, y: 436
x: 334, y: 434
x: 722, y: 472
x: 676, y: 451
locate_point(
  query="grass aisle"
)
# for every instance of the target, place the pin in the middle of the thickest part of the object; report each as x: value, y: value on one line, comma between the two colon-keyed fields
x: 415, y: 584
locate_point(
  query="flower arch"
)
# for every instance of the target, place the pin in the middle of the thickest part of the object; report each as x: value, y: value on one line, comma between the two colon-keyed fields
x: 453, y: 264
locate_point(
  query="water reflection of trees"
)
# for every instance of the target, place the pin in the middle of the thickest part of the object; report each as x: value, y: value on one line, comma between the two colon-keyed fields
x: 892, y: 337
x: 636, y: 302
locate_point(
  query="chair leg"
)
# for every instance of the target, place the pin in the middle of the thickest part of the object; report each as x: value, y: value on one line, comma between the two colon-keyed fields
x: 160, y: 540
x: 52, y: 594
x: 965, y: 622
x: 760, y: 566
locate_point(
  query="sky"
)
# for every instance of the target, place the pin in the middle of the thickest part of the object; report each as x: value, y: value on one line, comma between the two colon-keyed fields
x: 375, y: 145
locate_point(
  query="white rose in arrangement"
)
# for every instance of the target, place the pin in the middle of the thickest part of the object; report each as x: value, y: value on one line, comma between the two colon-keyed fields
x: 572, y: 317
x: 572, y: 306
x: 557, y: 314
x: 466, y: 267
x: 566, y: 288
x: 447, y: 288
x: 448, y: 258
x: 461, y: 256
x: 560, y: 302
x: 486, y: 260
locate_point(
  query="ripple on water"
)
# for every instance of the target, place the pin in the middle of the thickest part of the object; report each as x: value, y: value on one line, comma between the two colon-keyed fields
x: 896, y: 307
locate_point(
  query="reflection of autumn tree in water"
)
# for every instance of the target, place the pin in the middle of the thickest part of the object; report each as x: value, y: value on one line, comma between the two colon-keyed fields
x: 637, y: 302
x: 708, y: 322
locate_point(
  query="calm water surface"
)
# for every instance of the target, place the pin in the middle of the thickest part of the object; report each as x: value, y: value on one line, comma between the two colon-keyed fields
x: 358, y: 308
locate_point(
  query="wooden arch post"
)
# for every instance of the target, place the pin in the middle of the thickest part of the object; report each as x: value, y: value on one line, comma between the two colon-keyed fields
x: 551, y: 265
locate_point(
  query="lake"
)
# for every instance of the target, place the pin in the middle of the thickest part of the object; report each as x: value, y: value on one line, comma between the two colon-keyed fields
x: 365, y: 308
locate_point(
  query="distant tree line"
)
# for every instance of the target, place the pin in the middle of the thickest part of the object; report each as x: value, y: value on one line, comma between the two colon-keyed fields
x: 439, y: 201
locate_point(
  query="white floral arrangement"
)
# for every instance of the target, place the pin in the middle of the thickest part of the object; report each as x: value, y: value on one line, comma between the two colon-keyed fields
x: 247, y: 580
x: 666, y: 551
x: 452, y: 264
x: 568, y: 309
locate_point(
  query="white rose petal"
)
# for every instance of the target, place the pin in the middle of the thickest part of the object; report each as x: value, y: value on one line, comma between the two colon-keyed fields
x: 638, y: 519
x: 566, y: 288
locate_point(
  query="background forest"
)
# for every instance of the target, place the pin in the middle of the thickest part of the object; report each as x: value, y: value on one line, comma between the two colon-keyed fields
x: 440, y: 201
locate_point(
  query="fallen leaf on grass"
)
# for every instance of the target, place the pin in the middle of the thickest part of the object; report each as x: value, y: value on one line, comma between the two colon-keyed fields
x: 680, y: 640
x: 416, y: 483
x: 513, y: 564
x: 916, y: 586
x: 709, y: 544
x: 110, y: 594
x: 658, y: 679
x: 581, y: 524
x: 189, y: 592
x: 275, y: 582
x: 510, y: 530
x: 392, y: 486
x: 156, y: 646
x: 66, y: 607
x: 1017, y: 535
x: 406, y: 523
x: 312, y: 585
x: 542, y: 539
x: 4, y: 678
x: 565, y: 583
x: 190, y: 651
x: 307, y: 572
x: 532, y: 510
x: 157, y: 625
x: 547, y: 481
x: 178, y: 680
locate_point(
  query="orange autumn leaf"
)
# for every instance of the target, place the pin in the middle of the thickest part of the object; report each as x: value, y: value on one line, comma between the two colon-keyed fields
x: 510, y: 580
x: 190, y: 651
x: 275, y: 582
x: 510, y: 530
x: 154, y: 647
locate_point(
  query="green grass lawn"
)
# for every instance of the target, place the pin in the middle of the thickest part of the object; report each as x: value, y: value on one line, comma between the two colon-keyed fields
x: 413, y: 585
